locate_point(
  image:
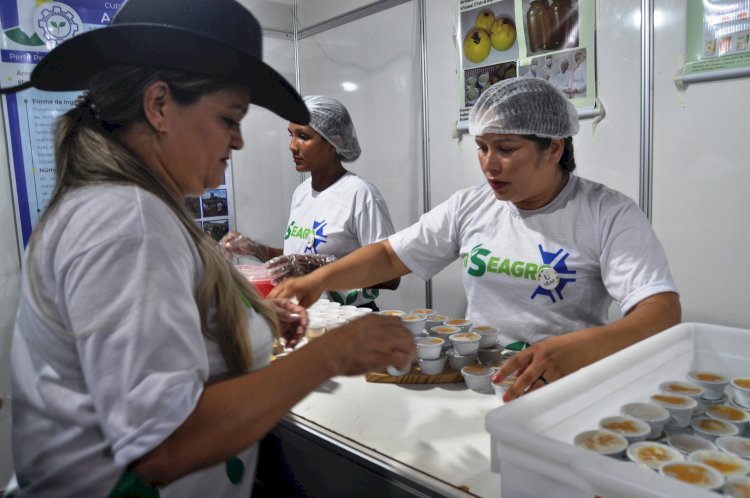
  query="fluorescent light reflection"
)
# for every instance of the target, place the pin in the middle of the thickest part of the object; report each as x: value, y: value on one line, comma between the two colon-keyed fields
x: 659, y: 18
x: 349, y: 86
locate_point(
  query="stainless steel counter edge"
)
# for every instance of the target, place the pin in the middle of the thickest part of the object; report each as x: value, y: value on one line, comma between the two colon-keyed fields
x: 385, y: 463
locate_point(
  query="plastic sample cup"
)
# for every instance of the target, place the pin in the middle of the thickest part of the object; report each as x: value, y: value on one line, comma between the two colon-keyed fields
x: 694, y: 473
x: 713, y: 383
x: 602, y: 441
x: 680, y: 408
x: 653, y: 455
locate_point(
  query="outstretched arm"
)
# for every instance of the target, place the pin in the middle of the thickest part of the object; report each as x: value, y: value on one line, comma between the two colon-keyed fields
x: 234, y: 243
x: 366, y: 267
x: 233, y: 414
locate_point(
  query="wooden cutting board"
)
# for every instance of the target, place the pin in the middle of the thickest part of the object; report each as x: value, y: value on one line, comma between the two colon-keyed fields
x: 448, y: 376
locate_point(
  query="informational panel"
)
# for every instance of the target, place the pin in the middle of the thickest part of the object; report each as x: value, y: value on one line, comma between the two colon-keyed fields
x: 29, y: 30
x: 718, y: 38
x: 548, y: 39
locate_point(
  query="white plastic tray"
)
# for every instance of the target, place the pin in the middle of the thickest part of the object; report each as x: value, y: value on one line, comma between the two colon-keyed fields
x: 532, y: 436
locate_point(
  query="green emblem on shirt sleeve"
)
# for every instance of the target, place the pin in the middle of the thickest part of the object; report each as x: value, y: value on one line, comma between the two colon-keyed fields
x: 235, y: 470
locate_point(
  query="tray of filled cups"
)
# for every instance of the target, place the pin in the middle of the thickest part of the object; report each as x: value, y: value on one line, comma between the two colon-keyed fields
x: 684, y: 382
x: 449, y: 350
x: 693, y: 430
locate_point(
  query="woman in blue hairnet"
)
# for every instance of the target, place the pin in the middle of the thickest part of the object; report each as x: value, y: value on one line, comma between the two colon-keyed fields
x: 544, y: 252
x: 333, y: 212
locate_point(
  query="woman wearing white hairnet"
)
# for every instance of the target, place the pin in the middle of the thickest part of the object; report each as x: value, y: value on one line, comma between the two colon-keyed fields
x: 333, y: 212
x: 545, y: 252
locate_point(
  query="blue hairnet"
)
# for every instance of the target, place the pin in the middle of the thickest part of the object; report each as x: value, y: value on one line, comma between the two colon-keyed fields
x: 331, y: 120
x: 524, y: 106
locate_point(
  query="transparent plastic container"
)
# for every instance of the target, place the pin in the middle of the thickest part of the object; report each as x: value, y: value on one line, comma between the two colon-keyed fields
x: 259, y: 276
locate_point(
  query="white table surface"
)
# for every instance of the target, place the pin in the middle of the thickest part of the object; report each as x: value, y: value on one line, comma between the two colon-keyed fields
x: 437, y: 429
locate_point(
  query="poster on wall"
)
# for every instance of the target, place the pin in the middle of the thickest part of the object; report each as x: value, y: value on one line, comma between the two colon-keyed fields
x: 718, y: 39
x: 31, y: 28
x: 549, y: 39
x: 213, y: 211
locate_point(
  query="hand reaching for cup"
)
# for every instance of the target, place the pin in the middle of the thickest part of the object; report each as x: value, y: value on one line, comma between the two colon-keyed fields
x: 295, y: 265
x: 368, y: 344
x: 305, y: 289
x: 544, y: 362
x: 292, y: 320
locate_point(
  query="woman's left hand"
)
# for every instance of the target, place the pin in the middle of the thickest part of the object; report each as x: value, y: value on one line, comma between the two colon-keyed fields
x: 542, y: 363
x: 558, y: 356
x: 292, y: 319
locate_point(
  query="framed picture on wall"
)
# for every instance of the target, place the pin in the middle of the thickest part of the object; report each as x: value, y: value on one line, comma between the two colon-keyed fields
x: 717, y: 40
x: 549, y: 39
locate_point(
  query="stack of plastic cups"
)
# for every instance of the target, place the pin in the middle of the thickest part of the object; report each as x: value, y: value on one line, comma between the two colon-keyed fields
x: 325, y: 315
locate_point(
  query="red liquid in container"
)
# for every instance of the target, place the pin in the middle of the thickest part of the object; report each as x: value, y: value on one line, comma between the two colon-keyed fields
x: 263, y: 286
x: 259, y: 277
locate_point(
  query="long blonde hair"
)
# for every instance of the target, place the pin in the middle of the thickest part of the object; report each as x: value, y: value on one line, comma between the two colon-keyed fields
x: 88, y: 152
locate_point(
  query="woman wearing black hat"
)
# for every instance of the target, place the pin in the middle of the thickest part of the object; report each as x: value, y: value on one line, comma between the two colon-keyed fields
x: 134, y: 337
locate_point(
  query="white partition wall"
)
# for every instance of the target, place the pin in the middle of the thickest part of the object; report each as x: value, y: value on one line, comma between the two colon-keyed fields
x: 263, y: 172
x: 372, y: 66
x: 315, y: 12
x: 701, y: 208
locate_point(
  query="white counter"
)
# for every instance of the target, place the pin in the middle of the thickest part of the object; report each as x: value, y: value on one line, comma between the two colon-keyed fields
x: 435, y: 429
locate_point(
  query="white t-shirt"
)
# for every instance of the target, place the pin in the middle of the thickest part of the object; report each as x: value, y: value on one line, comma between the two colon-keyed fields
x: 108, y: 359
x: 597, y: 240
x: 347, y: 215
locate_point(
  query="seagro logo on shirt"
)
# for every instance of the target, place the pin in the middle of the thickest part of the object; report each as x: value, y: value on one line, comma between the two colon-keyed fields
x: 313, y: 237
x: 480, y: 261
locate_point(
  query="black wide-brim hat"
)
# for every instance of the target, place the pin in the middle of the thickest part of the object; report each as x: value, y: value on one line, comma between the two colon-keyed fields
x: 214, y: 38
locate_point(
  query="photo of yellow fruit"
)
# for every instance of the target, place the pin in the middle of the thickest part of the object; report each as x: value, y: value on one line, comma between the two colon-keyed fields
x: 477, y: 45
x: 485, y: 18
x: 502, y: 33
x: 488, y: 33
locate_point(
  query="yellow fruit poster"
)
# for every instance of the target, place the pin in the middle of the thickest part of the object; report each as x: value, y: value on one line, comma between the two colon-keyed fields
x: 549, y: 39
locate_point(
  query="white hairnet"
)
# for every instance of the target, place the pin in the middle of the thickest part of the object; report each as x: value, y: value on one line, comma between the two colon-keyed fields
x: 330, y: 118
x: 524, y: 106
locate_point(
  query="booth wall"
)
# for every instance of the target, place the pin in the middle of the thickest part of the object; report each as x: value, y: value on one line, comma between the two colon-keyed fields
x: 701, y: 180
x: 380, y: 55
x: 263, y: 172
x: 700, y: 174
x: 313, y: 12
